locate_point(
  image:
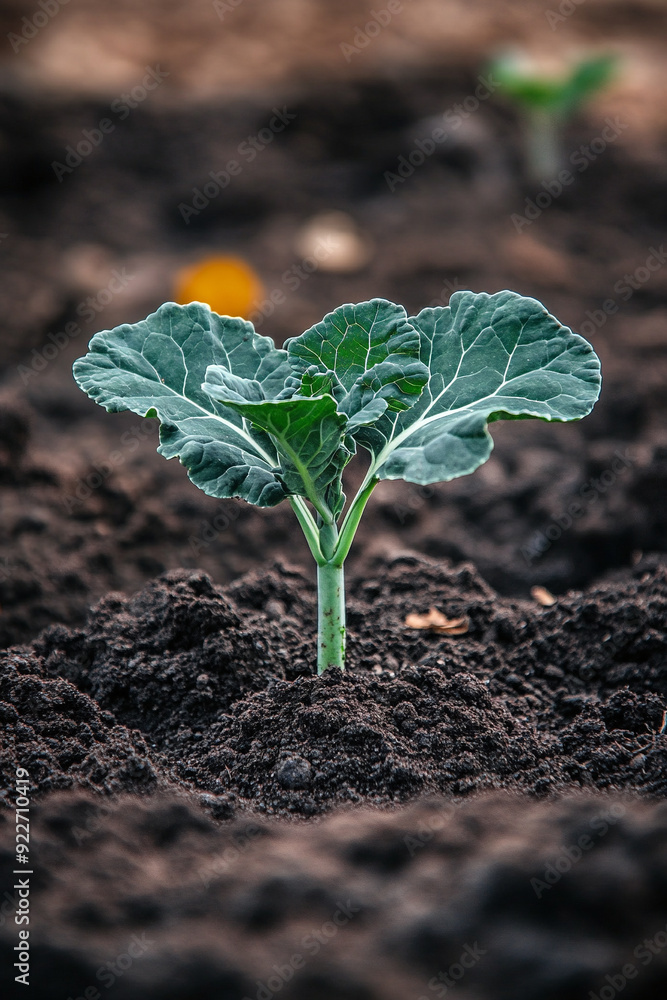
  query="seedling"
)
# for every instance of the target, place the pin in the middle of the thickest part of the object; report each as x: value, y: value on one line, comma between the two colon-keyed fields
x: 547, y: 102
x: 249, y: 420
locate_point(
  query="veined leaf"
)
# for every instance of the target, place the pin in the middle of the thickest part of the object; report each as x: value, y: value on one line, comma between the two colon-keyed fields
x: 314, y: 382
x: 491, y: 357
x: 397, y: 384
x: 226, y: 387
x: 353, y: 338
x: 308, y: 434
x: 156, y: 368
x: 371, y: 353
x: 252, y: 421
x: 369, y: 413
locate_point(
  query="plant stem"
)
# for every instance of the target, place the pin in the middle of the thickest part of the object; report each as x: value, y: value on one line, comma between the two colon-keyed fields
x: 543, y: 145
x: 351, y: 522
x: 330, y: 605
x: 308, y: 527
x: 330, y: 550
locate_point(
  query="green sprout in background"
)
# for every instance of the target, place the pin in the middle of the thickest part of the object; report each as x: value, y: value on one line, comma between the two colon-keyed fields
x: 416, y: 393
x: 547, y: 102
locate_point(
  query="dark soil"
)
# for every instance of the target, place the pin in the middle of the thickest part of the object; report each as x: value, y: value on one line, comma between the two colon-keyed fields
x: 187, y: 685
x: 496, y: 899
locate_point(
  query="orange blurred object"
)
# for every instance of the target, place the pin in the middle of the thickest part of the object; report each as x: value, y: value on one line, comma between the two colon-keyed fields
x: 227, y: 284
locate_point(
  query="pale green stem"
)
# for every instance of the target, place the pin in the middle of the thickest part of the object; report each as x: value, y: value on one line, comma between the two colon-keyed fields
x: 309, y: 528
x: 543, y: 146
x: 330, y: 606
x: 330, y: 550
x: 352, y: 519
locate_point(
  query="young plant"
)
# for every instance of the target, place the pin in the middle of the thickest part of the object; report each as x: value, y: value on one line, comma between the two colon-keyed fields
x: 547, y: 102
x: 249, y: 420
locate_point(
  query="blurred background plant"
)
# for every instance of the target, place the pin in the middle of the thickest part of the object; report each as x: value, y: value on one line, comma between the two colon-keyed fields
x: 547, y: 97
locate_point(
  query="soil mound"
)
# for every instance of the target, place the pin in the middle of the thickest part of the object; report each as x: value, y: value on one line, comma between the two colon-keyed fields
x: 211, y: 689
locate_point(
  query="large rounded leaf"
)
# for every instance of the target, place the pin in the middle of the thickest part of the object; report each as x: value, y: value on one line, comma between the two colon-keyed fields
x: 490, y: 357
x: 157, y: 367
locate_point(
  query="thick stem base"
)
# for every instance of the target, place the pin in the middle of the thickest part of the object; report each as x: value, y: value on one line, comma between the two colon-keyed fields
x: 330, y: 617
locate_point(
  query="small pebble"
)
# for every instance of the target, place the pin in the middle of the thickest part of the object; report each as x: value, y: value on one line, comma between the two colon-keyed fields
x: 274, y: 608
x: 293, y: 773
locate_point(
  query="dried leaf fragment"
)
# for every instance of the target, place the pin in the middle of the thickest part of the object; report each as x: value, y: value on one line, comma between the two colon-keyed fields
x: 543, y: 596
x: 434, y: 621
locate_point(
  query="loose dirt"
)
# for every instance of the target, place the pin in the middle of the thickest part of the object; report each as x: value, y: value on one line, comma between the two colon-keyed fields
x: 186, y: 685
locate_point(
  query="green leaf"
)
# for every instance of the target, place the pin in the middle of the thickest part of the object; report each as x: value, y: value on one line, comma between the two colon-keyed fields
x: 224, y: 386
x: 366, y: 356
x: 252, y: 421
x: 157, y: 366
x: 491, y: 357
x: 308, y: 434
x: 353, y: 338
x: 396, y: 384
x: 314, y: 382
x: 532, y: 91
x: 587, y: 77
x: 559, y: 95
x: 370, y: 413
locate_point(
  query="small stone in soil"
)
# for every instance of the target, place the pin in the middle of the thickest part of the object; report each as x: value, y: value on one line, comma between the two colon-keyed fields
x: 293, y: 773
